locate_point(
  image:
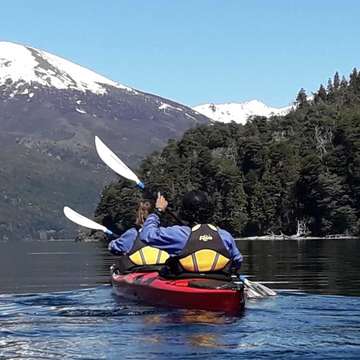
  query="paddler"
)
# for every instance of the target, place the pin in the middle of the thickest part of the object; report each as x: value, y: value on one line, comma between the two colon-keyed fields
x: 198, y: 248
x: 135, y: 254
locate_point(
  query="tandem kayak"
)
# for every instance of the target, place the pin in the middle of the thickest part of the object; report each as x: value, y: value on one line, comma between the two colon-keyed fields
x: 193, y: 293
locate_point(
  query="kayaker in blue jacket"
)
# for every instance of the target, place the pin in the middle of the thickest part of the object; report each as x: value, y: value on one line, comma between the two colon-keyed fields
x: 135, y: 254
x: 198, y: 248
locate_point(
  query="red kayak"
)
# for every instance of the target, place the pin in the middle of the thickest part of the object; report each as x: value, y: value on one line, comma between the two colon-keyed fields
x: 194, y: 293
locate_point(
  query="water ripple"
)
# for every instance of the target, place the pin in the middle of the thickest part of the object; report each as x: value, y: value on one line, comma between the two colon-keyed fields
x: 92, y: 324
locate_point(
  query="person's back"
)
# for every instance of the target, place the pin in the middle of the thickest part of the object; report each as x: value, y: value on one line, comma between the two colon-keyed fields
x: 198, y: 248
x: 133, y: 253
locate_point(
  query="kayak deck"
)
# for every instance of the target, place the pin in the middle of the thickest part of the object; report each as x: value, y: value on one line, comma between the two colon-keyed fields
x: 150, y: 288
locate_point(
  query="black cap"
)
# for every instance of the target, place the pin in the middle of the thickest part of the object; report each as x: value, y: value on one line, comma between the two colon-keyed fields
x: 196, y: 207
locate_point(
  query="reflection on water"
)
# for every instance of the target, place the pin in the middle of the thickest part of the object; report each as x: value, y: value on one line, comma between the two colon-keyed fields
x: 319, y: 266
x: 201, y: 317
x: 51, y: 266
x: 204, y: 340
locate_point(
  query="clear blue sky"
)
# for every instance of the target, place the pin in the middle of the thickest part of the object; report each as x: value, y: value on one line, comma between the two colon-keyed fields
x: 197, y: 51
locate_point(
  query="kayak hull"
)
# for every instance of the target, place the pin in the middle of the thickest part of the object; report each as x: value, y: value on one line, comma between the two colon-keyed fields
x: 152, y: 289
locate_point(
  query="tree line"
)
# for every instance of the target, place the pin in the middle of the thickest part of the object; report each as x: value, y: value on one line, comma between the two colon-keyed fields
x: 267, y: 176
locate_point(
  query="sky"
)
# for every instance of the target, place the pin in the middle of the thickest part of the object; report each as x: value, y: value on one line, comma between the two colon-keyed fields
x: 197, y: 51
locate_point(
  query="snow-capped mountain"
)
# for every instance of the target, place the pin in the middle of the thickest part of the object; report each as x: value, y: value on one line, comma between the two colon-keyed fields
x: 50, y: 111
x: 23, y: 64
x: 239, y: 112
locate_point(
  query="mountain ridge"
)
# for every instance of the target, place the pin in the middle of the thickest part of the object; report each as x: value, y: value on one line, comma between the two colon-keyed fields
x: 239, y: 112
x: 27, y: 64
x: 49, y: 115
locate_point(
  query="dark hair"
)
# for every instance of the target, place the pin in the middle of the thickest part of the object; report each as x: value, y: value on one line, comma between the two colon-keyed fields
x: 196, y: 207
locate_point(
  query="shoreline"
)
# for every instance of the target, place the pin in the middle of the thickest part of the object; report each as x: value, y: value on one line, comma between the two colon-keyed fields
x: 294, y: 237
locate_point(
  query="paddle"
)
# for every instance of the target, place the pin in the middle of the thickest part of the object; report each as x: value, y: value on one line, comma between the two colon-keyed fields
x: 114, y: 163
x: 84, y: 221
x: 118, y: 166
x: 258, y: 287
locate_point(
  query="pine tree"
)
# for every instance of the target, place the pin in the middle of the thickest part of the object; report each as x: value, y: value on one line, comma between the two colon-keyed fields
x: 321, y: 95
x: 336, y: 81
x: 330, y: 86
x: 301, y: 99
x: 343, y: 83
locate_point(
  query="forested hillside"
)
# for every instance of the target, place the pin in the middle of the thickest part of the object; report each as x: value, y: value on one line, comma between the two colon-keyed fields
x: 50, y: 111
x: 266, y: 176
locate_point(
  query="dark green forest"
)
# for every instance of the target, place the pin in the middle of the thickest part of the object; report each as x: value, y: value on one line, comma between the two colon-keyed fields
x: 269, y: 175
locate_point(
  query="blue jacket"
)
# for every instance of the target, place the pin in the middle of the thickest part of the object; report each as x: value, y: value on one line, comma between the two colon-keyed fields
x: 124, y: 243
x: 174, y: 238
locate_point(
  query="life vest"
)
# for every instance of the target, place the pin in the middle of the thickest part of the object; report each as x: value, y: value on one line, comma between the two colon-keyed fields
x: 204, y: 251
x: 142, y: 256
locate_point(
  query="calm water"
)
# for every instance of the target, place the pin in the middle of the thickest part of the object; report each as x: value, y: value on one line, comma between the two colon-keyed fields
x: 55, y: 303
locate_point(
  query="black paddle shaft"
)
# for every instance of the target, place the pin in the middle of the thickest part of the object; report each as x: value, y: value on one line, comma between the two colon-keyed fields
x: 175, y: 217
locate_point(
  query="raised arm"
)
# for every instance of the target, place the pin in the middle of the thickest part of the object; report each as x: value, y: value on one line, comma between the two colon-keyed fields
x: 171, y: 239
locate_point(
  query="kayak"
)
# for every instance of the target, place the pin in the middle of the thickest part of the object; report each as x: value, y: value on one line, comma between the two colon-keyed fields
x: 192, y: 293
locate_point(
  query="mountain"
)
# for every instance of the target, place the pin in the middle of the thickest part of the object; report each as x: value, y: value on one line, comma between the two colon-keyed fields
x: 50, y: 111
x: 239, y: 112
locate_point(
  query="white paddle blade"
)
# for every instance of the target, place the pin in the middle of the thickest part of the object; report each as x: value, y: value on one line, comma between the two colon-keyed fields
x: 257, y: 290
x: 252, y: 294
x: 267, y: 290
x: 114, y: 163
x: 83, y: 221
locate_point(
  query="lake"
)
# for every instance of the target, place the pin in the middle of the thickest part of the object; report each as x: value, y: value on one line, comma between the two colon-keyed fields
x: 55, y: 302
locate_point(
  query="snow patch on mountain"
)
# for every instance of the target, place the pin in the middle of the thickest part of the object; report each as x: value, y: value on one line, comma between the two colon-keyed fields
x: 239, y: 112
x: 22, y: 65
x: 165, y: 106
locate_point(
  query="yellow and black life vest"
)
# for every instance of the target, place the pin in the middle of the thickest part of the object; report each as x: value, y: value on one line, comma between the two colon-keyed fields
x: 142, y: 256
x: 204, y: 251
